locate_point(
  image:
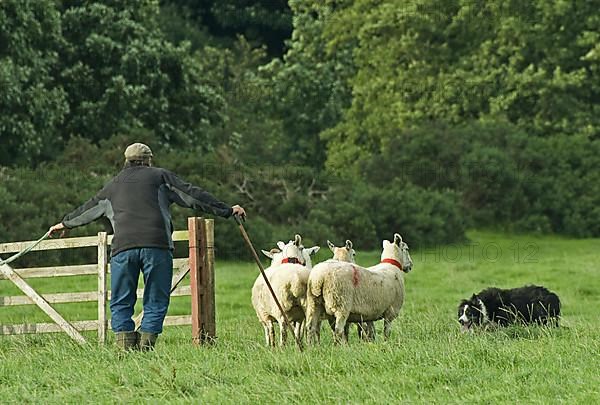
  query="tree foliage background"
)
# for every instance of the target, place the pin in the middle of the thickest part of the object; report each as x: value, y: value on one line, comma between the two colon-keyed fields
x: 334, y: 119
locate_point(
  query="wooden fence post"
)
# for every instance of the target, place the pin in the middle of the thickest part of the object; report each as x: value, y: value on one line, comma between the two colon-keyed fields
x: 209, y: 286
x: 201, y: 257
x: 102, y: 294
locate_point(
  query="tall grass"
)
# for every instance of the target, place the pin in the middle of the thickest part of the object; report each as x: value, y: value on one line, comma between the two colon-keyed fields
x: 427, y: 359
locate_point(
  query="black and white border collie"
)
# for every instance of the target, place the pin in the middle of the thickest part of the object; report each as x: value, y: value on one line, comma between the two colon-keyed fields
x: 525, y: 305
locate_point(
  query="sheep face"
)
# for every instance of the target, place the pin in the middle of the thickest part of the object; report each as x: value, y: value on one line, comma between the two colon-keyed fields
x: 343, y: 254
x: 398, y: 250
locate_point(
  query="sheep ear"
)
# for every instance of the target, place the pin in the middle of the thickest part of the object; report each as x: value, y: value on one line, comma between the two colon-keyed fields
x: 281, y: 245
x: 311, y: 251
x: 297, y: 240
x: 397, y: 239
x: 386, y: 243
x: 349, y: 244
x: 331, y: 246
x: 268, y: 254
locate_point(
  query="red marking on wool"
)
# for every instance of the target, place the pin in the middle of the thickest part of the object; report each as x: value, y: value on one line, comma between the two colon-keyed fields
x: 355, y: 276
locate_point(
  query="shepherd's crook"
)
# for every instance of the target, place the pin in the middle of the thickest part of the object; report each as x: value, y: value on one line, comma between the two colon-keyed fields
x: 262, y: 271
x: 24, y: 251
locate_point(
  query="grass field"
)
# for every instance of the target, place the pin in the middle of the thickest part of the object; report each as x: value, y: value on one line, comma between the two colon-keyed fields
x: 427, y: 359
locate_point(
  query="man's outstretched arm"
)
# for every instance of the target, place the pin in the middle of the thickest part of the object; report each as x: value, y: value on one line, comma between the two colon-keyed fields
x: 189, y: 196
x: 91, y: 210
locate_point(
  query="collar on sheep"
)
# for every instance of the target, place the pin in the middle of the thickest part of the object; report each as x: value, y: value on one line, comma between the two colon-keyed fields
x: 293, y: 260
x: 394, y: 262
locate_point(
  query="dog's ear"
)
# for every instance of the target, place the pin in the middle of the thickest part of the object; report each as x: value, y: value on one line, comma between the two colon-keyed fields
x: 474, y: 297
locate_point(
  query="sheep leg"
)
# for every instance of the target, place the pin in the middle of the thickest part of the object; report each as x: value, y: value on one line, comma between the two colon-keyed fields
x: 387, y: 328
x: 366, y: 331
x: 331, y: 322
x: 370, y: 329
x: 314, y: 312
x: 299, y: 330
x: 340, y: 325
x: 266, y: 329
x: 270, y: 333
x: 360, y: 330
x: 318, y: 332
x: 282, y: 332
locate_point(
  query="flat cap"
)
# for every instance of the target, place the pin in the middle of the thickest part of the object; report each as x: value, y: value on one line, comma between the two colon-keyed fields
x: 138, y: 151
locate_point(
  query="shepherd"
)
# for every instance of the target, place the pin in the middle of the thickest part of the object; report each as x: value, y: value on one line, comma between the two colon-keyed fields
x: 136, y: 202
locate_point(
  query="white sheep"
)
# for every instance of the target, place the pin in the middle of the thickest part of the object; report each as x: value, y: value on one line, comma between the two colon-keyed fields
x: 351, y: 293
x: 344, y: 254
x: 366, y: 330
x: 278, y: 257
x: 288, y: 276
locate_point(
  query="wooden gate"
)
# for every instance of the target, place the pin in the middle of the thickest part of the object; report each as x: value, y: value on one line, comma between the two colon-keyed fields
x: 199, y: 263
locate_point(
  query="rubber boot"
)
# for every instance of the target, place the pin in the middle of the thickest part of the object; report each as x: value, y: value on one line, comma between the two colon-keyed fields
x: 127, y: 341
x: 147, y: 341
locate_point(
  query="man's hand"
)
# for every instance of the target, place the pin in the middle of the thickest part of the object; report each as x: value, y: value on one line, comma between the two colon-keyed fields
x: 237, y: 210
x: 58, y: 227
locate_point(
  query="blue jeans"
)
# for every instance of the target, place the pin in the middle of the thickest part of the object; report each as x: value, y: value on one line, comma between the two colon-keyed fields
x: 157, y: 267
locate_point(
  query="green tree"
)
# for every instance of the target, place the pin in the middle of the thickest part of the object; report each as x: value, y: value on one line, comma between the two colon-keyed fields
x: 120, y: 74
x: 33, y: 104
x: 261, y: 22
x: 310, y: 88
x: 534, y: 63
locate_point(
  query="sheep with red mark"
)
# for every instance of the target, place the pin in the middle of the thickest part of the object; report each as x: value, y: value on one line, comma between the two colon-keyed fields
x: 351, y: 293
x: 346, y: 253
